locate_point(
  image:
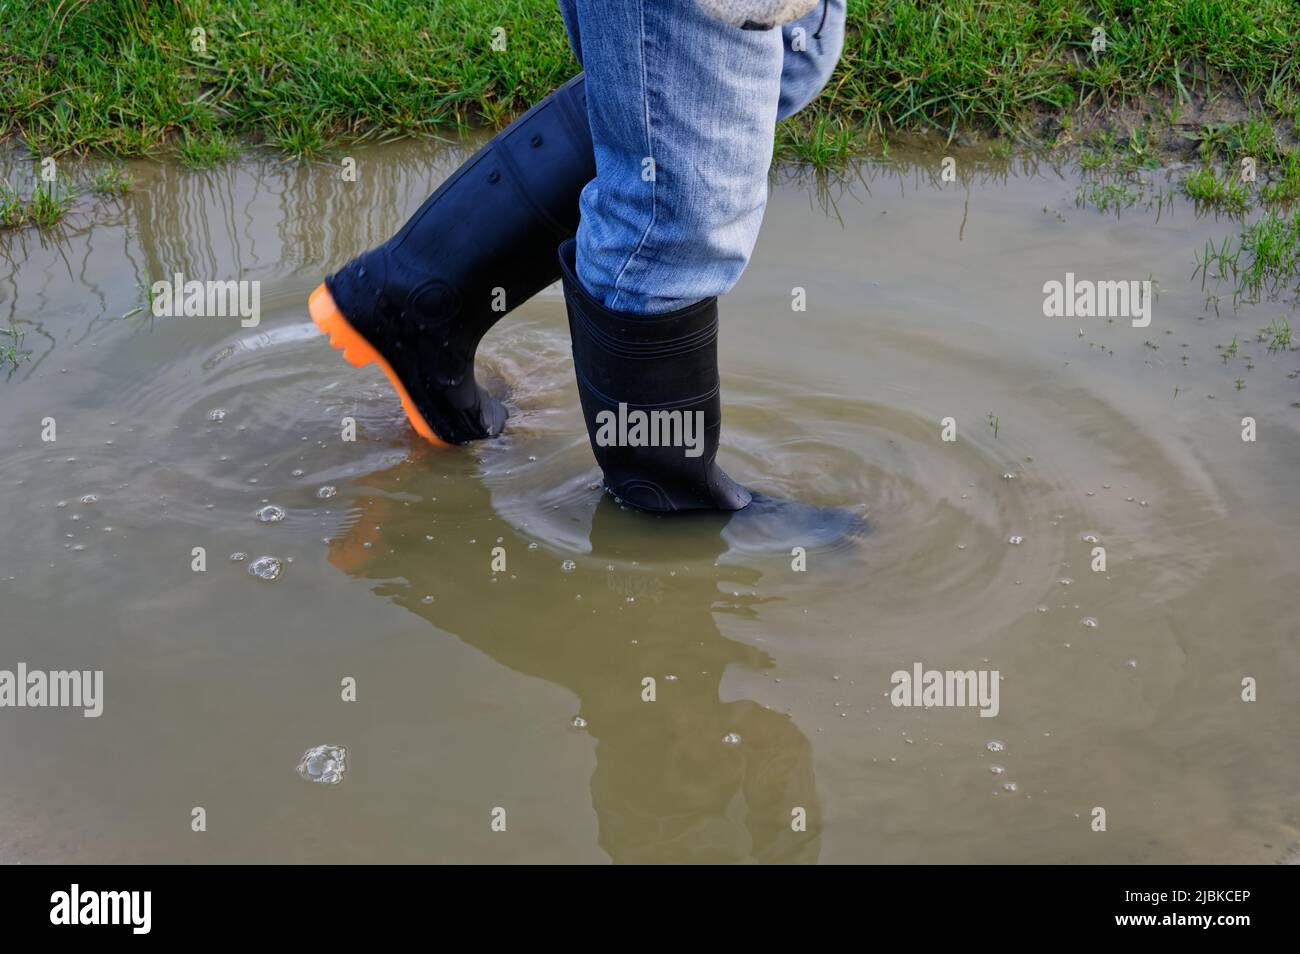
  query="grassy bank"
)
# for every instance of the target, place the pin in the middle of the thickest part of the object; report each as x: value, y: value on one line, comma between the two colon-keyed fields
x: 300, y: 75
x: 1214, y: 82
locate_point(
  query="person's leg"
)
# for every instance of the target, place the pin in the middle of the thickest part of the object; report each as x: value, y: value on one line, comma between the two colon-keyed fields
x: 812, y: 48
x: 682, y: 111
x: 481, y: 245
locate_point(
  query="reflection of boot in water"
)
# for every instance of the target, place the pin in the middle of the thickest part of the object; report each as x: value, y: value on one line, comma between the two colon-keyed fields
x: 666, y: 786
x: 481, y: 245
x: 651, y: 397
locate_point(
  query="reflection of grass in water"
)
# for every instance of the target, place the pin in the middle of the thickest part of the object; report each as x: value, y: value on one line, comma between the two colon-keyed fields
x: 1116, y: 196
x: 1107, y: 195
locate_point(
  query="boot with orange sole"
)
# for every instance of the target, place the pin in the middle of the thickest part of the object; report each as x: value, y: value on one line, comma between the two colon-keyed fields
x: 482, y: 244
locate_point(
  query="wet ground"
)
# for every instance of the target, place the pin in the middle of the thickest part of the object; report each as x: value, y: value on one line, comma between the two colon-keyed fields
x: 489, y: 698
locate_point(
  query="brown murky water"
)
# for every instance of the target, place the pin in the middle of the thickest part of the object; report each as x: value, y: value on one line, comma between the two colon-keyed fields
x: 924, y: 301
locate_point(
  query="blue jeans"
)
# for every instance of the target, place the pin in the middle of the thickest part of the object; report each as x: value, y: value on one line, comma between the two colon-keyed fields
x: 682, y: 111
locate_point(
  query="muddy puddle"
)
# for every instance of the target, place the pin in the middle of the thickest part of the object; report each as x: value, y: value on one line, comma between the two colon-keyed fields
x: 513, y: 698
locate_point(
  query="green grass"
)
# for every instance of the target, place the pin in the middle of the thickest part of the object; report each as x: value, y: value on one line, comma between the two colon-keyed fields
x: 1254, y: 137
x: 1224, y: 147
x: 1277, y: 336
x: 1205, y: 188
x: 112, y: 180
x: 208, y: 149
x: 306, y: 75
x: 1263, y: 262
x: 11, y: 352
x: 44, y: 208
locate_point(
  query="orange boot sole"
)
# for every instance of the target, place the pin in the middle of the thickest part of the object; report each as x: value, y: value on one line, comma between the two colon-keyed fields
x: 358, y: 352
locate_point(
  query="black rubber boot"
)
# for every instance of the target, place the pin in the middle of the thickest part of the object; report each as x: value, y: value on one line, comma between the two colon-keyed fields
x: 660, y: 371
x: 482, y: 244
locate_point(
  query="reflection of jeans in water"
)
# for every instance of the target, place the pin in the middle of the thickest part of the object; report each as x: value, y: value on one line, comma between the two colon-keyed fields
x: 682, y: 110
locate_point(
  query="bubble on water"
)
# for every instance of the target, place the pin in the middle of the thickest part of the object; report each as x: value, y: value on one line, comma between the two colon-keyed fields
x: 1010, y: 787
x: 61, y: 504
x: 326, y: 492
x: 578, y: 722
x: 568, y: 566
x: 216, y: 414
x: 266, y: 568
x: 324, y: 765
x: 1132, y: 664
x: 270, y: 514
x: 1008, y: 476
x: 1065, y: 581
x: 1091, y: 538
x: 994, y: 745
x: 239, y: 556
x: 298, y: 472
x: 670, y: 678
x: 1088, y: 622
x: 426, y: 600
x: 533, y: 545
x: 1041, y: 608
x: 731, y: 738
x: 1015, y: 540
x: 90, y: 499
x: 996, y: 769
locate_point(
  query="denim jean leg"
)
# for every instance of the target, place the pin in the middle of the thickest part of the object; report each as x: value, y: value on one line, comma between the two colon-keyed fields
x: 813, y: 45
x: 682, y: 111
x: 812, y: 48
